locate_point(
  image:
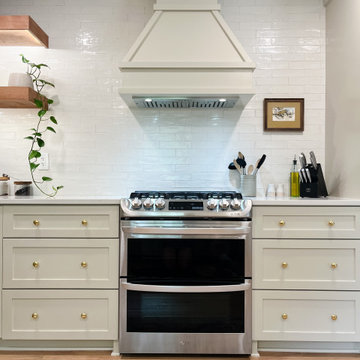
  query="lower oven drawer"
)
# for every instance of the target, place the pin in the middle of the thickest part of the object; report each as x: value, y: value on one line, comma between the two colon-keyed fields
x: 306, y: 315
x: 60, y: 314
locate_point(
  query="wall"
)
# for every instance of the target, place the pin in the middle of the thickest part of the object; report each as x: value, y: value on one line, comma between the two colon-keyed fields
x: 103, y: 149
x: 343, y: 97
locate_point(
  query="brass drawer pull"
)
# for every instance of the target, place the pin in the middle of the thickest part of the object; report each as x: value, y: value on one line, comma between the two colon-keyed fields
x: 282, y: 222
x: 284, y: 265
x: 36, y: 222
x: 36, y: 264
x: 334, y: 317
x: 84, y: 264
x: 83, y: 316
x: 334, y: 265
x: 331, y: 222
x: 35, y: 316
x: 284, y: 316
x: 84, y: 222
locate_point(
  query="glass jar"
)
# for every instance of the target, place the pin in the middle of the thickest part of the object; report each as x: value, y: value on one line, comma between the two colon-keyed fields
x: 4, y: 185
x: 22, y: 188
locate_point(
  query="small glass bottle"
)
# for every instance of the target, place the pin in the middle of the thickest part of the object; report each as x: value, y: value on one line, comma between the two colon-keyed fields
x: 294, y: 179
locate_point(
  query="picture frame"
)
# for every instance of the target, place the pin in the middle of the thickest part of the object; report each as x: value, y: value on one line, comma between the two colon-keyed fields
x: 284, y: 114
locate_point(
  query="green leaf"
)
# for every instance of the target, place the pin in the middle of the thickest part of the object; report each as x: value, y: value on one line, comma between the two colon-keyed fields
x: 44, y: 82
x: 51, y: 129
x: 52, y: 119
x: 38, y: 103
x: 50, y: 101
x: 34, y: 154
x: 40, y: 142
x: 33, y: 129
x: 24, y: 60
x: 59, y: 187
x: 45, y: 178
x: 33, y: 166
x: 41, y: 113
x: 29, y: 138
x: 37, y: 134
x: 42, y: 65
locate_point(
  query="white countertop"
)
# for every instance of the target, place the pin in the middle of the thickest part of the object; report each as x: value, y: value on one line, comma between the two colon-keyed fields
x: 115, y: 200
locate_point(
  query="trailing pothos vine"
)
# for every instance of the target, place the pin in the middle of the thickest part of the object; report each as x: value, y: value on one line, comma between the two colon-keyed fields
x: 36, y: 137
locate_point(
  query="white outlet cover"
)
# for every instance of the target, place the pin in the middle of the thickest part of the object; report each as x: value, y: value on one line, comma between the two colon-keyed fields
x: 44, y: 162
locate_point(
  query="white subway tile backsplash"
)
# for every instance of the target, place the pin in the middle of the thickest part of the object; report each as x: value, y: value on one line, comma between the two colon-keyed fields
x: 103, y: 148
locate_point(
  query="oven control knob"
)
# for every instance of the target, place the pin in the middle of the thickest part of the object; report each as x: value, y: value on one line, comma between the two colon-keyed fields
x: 211, y: 204
x: 160, y: 203
x: 136, y: 203
x: 224, y: 204
x: 148, y: 203
x: 235, y: 204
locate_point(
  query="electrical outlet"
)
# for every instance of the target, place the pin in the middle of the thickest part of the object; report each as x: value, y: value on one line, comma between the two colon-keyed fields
x: 44, y: 161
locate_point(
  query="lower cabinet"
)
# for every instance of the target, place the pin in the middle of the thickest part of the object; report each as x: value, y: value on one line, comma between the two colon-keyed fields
x: 60, y: 314
x: 306, y: 315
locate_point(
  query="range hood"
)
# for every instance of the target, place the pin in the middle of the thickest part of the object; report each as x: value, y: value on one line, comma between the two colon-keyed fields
x: 186, y: 57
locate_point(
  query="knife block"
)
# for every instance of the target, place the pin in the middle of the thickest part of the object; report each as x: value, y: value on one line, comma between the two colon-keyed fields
x: 317, y: 187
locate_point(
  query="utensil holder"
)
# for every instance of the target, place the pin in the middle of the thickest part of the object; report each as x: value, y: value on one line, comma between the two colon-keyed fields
x: 247, y: 185
x: 317, y: 187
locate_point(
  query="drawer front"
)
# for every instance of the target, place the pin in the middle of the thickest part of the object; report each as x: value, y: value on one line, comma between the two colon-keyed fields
x: 1, y: 222
x: 60, y: 314
x: 306, y: 264
x: 306, y: 222
x: 61, y: 221
x: 306, y: 315
x: 60, y: 263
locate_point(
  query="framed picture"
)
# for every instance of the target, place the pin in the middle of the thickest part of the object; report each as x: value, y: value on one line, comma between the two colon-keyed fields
x: 284, y: 114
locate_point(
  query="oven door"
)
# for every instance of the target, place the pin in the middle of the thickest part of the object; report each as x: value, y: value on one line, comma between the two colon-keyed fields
x: 185, y: 287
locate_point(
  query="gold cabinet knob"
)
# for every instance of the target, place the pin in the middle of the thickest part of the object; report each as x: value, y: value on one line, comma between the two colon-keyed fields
x: 331, y: 222
x: 282, y: 222
x: 83, y: 315
x: 333, y: 265
x: 84, y: 264
x: 284, y: 316
x: 84, y: 222
x: 334, y: 317
x: 36, y: 222
x: 284, y: 265
x: 36, y: 264
x: 34, y: 315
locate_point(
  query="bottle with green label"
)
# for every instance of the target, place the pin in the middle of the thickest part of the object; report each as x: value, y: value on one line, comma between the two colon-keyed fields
x: 294, y: 179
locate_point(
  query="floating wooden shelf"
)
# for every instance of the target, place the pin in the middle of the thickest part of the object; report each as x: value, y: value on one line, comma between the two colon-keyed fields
x: 18, y: 97
x: 21, y: 30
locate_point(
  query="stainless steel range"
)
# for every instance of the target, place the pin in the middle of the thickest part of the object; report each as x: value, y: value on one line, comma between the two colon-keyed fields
x: 185, y: 273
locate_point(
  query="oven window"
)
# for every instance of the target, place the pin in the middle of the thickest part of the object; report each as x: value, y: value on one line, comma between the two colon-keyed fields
x: 186, y: 261
x: 185, y: 312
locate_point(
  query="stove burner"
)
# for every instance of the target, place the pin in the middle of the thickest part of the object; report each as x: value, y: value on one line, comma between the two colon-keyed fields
x: 186, y: 195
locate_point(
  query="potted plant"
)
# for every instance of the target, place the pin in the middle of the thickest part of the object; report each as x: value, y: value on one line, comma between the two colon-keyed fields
x: 42, y: 126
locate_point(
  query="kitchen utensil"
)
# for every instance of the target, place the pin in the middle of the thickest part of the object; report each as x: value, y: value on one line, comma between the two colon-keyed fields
x: 305, y: 179
x: 301, y: 176
x: 302, y: 160
x: 250, y: 169
x: 237, y: 166
x: 313, y: 160
x: 259, y: 163
x: 241, y: 161
x: 307, y: 171
x: 231, y: 166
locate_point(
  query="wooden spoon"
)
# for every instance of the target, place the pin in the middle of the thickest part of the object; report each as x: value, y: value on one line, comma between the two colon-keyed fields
x: 250, y: 169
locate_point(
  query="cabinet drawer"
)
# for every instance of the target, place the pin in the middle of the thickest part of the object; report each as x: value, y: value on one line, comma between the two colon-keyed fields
x: 64, y: 263
x: 61, y: 221
x: 306, y: 222
x: 60, y: 314
x: 306, y: 315
x: 306, y: 264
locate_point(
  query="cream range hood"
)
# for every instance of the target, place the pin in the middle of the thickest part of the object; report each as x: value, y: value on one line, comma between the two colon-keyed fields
x: 185, y: 57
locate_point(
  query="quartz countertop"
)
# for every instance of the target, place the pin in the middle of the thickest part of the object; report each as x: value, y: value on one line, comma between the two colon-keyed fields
x: 115, y: 200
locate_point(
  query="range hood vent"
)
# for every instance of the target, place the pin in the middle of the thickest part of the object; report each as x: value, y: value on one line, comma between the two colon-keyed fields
x: 187, y: 57
x: 184, y: 102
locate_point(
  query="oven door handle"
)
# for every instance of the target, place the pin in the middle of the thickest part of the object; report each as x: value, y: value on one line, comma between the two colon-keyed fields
x: 186, y: 289
x: 187, y: 231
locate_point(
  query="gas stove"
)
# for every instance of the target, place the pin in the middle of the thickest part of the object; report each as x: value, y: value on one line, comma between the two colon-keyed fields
x: 186, y: 204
